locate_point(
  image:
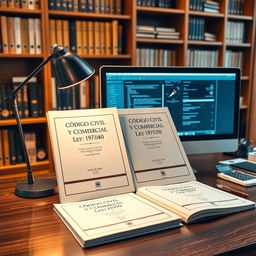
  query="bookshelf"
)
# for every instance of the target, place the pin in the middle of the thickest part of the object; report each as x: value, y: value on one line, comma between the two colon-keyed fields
x: 129, y: 17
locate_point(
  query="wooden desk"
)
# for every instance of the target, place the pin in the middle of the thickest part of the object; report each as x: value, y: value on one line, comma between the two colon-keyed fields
x: 30, y: 227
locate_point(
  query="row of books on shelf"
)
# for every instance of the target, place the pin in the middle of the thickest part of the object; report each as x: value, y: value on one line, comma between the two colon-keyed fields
x: 157, y: 3
x: 235, y: 32
x: 20, y: 35
x: 202, y: 58
x: 88, y: 37
x: 93, y: 6
x: 236, y: 7
x: 196, y: 28
x: 86, y: 95
x: 144, y: 31
x: 24, y: 4
x: 11, y: 151
x: 204, y: 6
x: 29, y: 98
x: 234, y: 59
x: 156, y: 57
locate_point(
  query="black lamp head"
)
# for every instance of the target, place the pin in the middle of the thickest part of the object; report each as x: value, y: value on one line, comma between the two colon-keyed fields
x: 69, y: 68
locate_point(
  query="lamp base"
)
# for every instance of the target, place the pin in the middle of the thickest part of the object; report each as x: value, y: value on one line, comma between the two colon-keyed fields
x: 40, y: 188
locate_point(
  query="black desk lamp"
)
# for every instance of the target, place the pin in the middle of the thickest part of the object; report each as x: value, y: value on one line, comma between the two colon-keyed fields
x: 70, y: 70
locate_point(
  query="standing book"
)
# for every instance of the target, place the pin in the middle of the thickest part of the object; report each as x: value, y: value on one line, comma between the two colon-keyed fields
x: 162, y: 173
x: 95, y: 181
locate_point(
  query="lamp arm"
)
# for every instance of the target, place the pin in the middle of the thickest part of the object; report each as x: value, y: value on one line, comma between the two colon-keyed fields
x: 17, y: 116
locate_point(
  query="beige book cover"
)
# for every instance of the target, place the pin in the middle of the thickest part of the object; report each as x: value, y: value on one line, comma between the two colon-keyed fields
x: 157, y: 155
x: 162, y: 173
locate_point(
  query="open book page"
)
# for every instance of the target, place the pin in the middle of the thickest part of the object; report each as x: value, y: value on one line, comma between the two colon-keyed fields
x: 104, y: 217
x: 89, y: 154
x: 193, y: 200
x: 156, y: 154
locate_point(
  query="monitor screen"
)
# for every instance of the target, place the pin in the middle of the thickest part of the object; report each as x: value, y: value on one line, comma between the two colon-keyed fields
x: 203, y: 102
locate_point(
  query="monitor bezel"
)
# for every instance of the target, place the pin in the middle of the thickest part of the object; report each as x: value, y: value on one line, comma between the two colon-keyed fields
x: 124, y: 69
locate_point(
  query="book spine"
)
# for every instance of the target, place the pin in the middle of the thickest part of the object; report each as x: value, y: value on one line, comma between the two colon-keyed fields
x: 4, y: 34
x: 38, y: 42
x: 33, y: 99
x: 84, y: 37
x: 72, y: 34
x: 31, y: 35
x: 10, y: 34
x: 24, y: 36
x: 17, y: 31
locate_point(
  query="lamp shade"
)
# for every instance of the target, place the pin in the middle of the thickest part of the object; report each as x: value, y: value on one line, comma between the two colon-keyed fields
x: 70, y: 69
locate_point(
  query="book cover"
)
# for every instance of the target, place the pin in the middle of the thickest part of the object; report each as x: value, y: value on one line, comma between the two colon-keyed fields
x: 97, y: 203
x: 162, y: 172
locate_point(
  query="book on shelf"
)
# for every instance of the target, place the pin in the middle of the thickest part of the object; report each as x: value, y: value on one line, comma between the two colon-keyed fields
x: 10, y: 35
x: 91, y: 6
x: 97, y: 202
x: 3, y: 3
x: 29, y: 98
x: 157, y: 3
x: 202, y: 58
x: 162, y: 173
x: 21, y: 35
x: 236, y: 7
x: 143, y: 31
x: 156, y: 57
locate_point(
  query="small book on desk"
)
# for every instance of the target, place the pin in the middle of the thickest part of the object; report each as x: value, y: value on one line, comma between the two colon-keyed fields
x: 162, y: 173
x: 95, y: 181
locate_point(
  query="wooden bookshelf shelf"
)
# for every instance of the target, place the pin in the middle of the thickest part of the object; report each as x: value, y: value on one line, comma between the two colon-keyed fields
x: 203, y: 43
x: 11, y: 122
x: 158, y: 41
x: 159, y: 10
x: 20, y: 11
x: 207, y: 14
x: 243, y: 45
x: 14, y: 55
x: 120, y: 56
x: 240, y: 17
x: 88, y: 15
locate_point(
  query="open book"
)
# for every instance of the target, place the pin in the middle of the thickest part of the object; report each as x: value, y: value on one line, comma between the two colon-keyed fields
x: 162, y: 173
x: 95, y: 181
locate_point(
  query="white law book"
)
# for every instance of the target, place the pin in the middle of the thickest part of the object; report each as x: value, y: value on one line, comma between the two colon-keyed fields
x: 38, y: 41
x: 95, y: 181
x: 162, y: 173
x: 17, y: 35
x: 31, y: 35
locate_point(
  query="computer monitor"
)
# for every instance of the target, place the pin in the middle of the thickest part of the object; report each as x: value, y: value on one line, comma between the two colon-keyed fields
x: 203, y: 102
